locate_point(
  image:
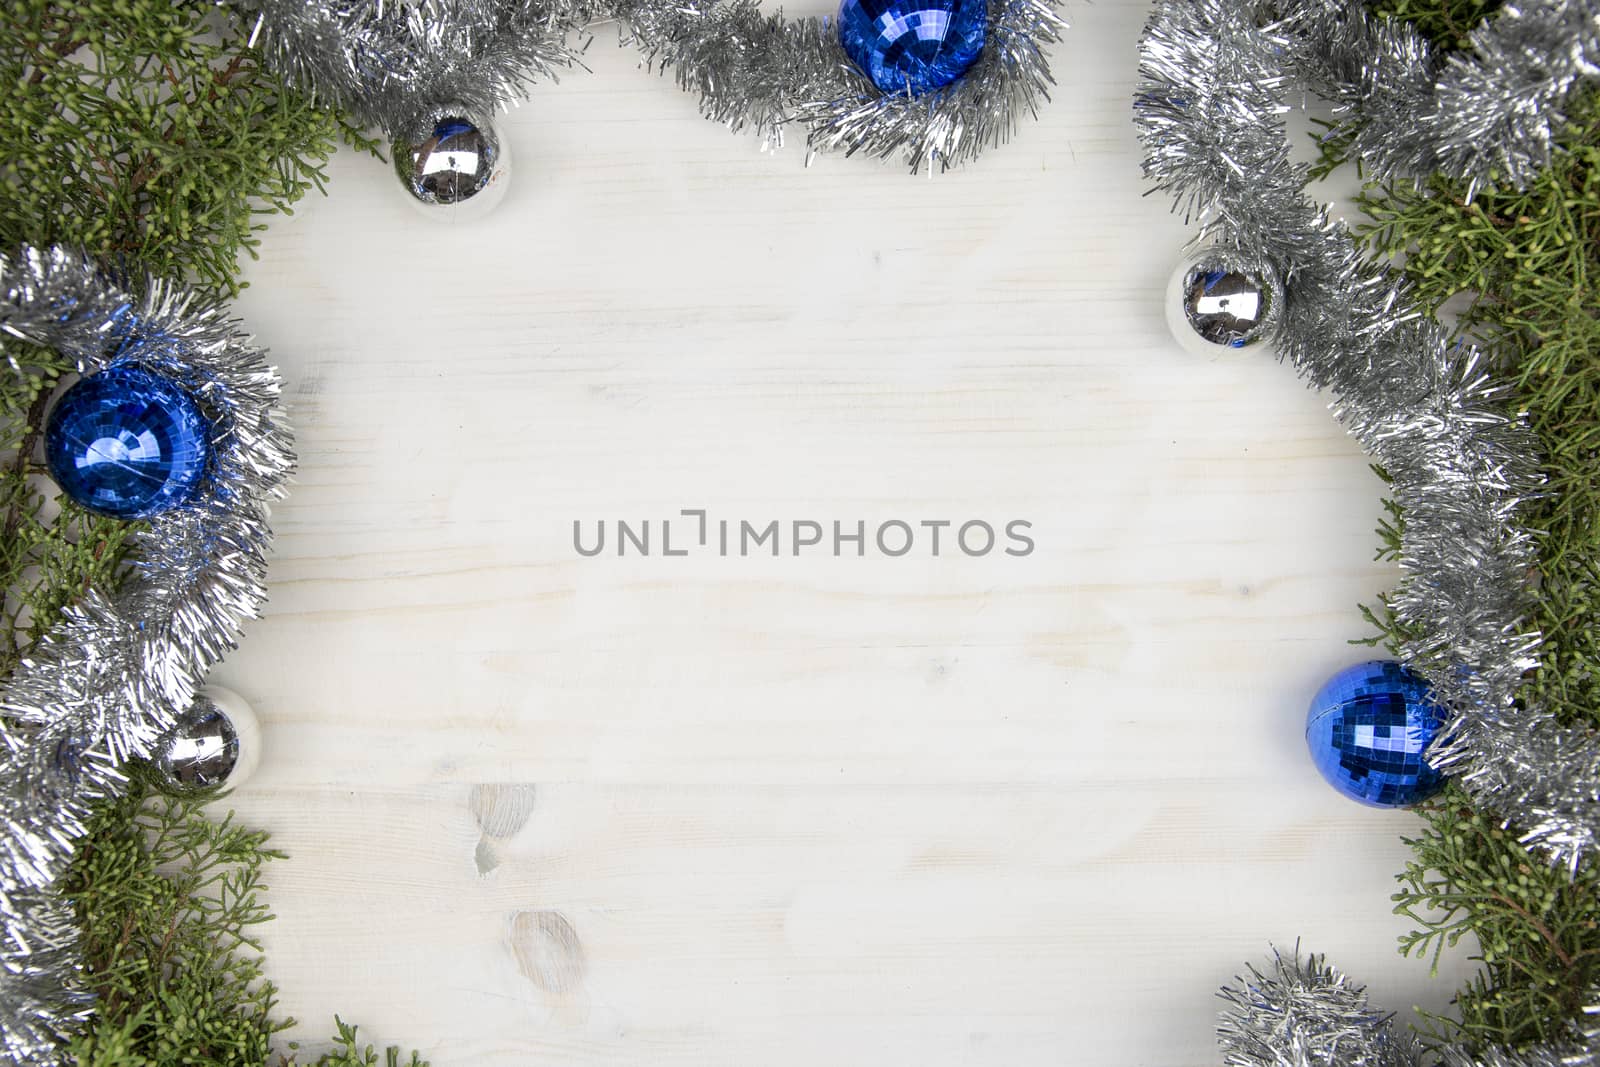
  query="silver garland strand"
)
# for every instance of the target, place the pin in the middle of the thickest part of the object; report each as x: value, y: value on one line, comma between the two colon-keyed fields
x: 1304, y: 1013
x: 110, y: 677
x: 759, y: 71
x: 1486, y: 114
x: 39, y: 996
x: 388, y: 61
x: 1215, y: 77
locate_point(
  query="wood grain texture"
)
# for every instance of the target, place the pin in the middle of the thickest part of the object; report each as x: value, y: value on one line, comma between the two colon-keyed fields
x: 557, y: 810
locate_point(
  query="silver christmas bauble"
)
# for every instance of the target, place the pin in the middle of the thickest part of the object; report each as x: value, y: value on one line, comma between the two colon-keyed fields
x: 1217, y: 300
x: 452, y: 158
x: 216, y: 742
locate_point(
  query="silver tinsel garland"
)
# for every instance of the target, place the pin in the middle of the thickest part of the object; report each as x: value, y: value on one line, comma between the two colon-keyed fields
x: 1487, y: 114
x: 108, y: 680
x: 387, y: 61
x: 1216, y: 75
x: 1303, y: 1013
x: 1306, y: 1014
x: 761, y: 71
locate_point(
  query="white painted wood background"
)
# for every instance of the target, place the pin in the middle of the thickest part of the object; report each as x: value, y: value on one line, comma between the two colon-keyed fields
x: 545, y: 809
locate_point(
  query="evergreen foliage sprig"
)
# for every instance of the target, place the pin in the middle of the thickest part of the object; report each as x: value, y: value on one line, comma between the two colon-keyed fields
x: 1520, y: 273
x: 135, y: 130
x: 168, y: 900
x: 1538, y: 930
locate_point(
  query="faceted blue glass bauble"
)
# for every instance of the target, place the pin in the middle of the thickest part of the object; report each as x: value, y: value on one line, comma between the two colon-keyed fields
x: 127, y: 443
x: 912, y: 45
x: 1368, y: 728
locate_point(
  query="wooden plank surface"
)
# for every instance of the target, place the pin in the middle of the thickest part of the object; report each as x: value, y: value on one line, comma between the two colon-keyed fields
x: 735, y: 810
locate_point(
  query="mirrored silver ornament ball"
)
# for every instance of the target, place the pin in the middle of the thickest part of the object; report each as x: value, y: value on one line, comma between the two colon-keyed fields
x: 201, y: 751
x: 1227, y: 307
x: 449, y: 156
x: 1221, y: 299
x: 216, y: 742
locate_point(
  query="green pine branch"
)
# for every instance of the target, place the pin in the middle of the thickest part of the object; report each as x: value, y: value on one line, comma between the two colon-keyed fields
x: 348, y: 1052
x: 1538, y: 930
x: 168, y: 903
x: 135, y: 130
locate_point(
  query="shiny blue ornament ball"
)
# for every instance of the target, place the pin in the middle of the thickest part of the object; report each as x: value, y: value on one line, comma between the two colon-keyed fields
x: 913, y: 45
x: 1368, y: 728
x: 127, y: 443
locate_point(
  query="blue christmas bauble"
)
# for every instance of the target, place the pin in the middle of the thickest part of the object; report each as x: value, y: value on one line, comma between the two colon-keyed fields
x: 912, y: 45
x: 127, y: 443
x: 1368, y: 728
